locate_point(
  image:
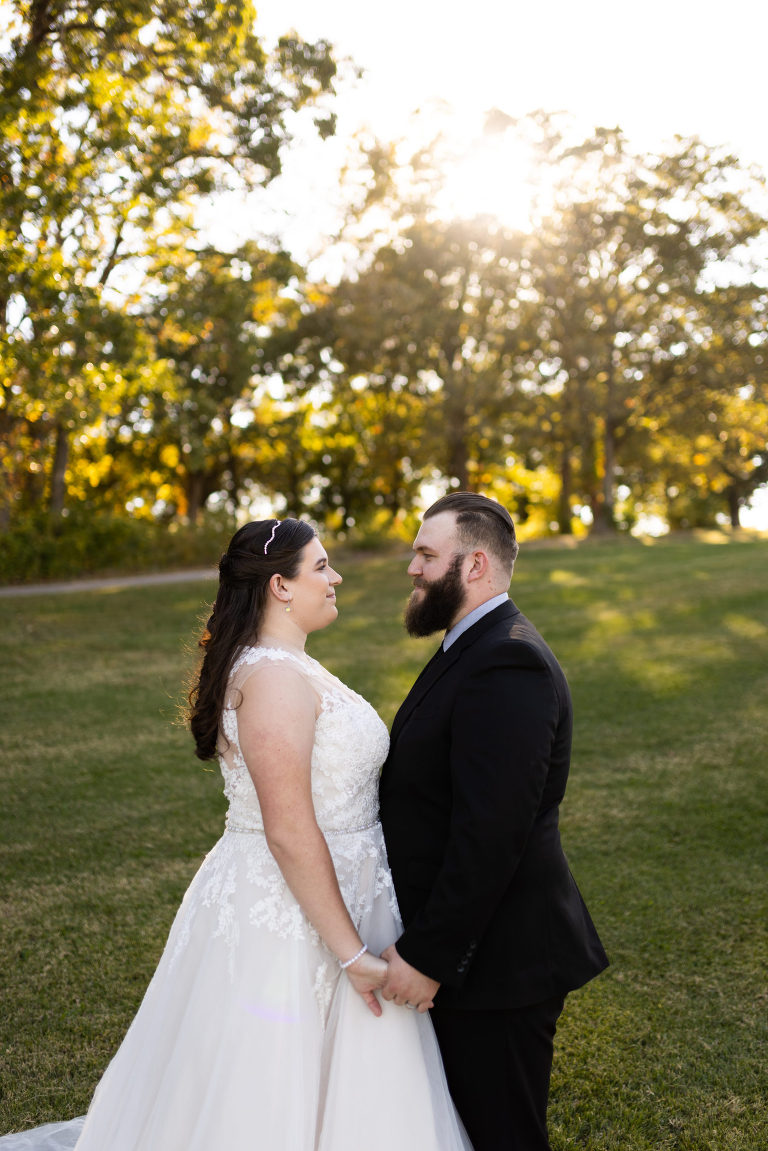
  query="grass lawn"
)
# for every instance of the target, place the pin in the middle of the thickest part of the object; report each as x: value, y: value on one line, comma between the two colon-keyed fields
x: 106, y: 814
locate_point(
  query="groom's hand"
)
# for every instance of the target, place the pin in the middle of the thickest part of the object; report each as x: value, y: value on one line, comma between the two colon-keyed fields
x: 405, y: 985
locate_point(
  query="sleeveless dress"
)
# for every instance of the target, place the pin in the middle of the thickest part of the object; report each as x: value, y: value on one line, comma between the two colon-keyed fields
x: 250, y: 1037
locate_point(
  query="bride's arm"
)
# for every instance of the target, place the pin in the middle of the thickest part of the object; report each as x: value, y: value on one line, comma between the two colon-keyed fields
x: 276, y: 730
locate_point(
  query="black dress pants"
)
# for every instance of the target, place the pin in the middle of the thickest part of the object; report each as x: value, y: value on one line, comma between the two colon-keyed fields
x: 498, y: 1066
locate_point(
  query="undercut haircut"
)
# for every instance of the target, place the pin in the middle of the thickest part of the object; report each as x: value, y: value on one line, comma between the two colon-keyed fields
x: 480, y: 523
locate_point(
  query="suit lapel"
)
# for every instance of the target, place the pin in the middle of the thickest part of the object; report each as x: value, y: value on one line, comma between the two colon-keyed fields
x: 428, y: 676
x: 441, y: 662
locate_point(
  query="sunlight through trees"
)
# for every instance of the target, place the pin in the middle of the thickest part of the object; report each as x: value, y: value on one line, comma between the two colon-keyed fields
x: 592, y: 353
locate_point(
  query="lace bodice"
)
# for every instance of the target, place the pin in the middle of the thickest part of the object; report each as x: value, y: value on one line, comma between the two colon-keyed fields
x: 240, y: 883
x: 350, y: 746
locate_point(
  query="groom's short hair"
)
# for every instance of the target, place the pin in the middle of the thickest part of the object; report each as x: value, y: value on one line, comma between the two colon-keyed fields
x: 480, y: 523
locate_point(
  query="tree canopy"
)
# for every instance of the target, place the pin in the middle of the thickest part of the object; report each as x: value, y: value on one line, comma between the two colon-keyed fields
x: 115, y: 120
x: 606, y: 363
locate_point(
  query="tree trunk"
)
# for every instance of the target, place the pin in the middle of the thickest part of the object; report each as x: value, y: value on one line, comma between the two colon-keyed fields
x: 59, y: 470
x: 565, y: 526
x: 603, y: 505
x: 734, y: 505
x: 455, y: 425
x: 609, y: 476
x: 41, y: 21
x: 195, y: 496
x: 456, y: 419
x: 457, y: 464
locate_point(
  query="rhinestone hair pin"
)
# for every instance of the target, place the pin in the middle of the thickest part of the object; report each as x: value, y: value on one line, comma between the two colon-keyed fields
x: 274, y: 529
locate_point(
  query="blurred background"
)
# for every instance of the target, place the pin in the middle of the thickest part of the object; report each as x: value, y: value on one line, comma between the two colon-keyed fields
x: 315, y: 260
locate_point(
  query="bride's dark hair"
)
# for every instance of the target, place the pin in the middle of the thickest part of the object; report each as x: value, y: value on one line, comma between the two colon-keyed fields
x: 256, y: 552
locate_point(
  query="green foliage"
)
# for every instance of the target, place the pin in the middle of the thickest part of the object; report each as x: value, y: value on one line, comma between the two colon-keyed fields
x: 617, y: 307
x: 209, y: 322
x: 425, y: 334
x: 114, y: 120
x: 608, y: 362
x: 591, y: 363
x: 40, y: 546
x: 106, y: 815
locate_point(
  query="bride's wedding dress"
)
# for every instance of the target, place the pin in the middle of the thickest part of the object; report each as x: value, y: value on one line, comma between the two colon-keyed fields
x: 249, y: 1037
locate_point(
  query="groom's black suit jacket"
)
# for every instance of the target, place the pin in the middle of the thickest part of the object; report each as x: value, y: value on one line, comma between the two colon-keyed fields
x: 470, y: 792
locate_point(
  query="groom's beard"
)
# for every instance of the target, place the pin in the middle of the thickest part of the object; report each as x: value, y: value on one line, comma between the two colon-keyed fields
x: 439, y: 603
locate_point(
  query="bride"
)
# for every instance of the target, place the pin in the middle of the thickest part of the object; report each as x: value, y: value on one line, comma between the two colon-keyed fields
x: 261, y: 1027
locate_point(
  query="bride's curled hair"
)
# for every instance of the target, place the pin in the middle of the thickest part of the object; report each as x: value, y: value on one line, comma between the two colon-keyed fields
x: 256, y: 552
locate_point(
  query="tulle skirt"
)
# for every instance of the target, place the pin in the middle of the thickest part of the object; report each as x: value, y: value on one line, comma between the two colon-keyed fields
x: 250, y: 1039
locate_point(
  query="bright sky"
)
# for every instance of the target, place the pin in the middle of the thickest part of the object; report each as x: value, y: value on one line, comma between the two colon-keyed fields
x: 655, y: 68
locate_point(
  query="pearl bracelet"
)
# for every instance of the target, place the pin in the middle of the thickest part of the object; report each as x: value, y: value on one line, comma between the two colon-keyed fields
x: 354, y: 958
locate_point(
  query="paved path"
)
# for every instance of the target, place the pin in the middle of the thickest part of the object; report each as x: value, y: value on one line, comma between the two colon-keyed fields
x: 138, y: 580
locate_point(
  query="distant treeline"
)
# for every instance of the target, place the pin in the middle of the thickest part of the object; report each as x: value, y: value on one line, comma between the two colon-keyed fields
x: 605, y: 364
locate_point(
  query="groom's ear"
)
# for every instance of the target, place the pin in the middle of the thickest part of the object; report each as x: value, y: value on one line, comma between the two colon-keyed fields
x: 480, y: 567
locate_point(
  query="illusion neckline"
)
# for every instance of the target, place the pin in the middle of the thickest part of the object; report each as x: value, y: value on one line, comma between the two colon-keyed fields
x: 262, y: 645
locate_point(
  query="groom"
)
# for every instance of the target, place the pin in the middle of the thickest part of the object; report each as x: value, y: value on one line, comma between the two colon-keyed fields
x: 495, y: 930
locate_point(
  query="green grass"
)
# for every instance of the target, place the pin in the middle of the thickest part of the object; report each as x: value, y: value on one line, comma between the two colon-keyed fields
x: 106, y: 814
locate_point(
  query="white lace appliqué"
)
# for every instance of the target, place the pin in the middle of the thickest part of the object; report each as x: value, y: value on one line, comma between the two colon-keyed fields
x: 240, y: 880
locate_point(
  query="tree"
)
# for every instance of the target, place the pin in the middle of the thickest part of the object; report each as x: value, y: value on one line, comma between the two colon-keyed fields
x: 424, y: 333
x: 209, y: 324
x: 115, y: 119
x: 616, y: 292
x: 567, y: 350
x: 712, y: 445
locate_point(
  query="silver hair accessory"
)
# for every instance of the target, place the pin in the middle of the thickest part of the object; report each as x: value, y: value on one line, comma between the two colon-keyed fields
x: 274, y: 529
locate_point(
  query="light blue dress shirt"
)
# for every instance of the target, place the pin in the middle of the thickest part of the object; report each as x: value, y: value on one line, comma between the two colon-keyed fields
x: 472, y: 617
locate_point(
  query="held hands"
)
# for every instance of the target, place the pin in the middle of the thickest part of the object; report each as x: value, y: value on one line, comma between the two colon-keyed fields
x: 367, y: 974
x: 405, y: 985
x: 398, y: 981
